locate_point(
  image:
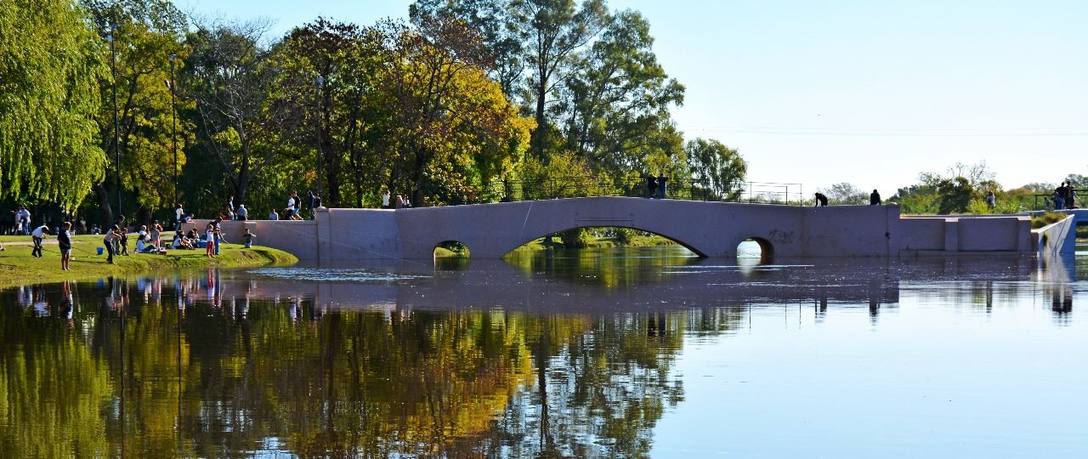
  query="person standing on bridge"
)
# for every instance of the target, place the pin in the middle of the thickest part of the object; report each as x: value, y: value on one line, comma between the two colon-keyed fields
x: 651, y: 186
x: 1071, y: 196
x: 821, y: 200
x: 661, y: 188
x: 1059, y: 197
x: 874, y: 198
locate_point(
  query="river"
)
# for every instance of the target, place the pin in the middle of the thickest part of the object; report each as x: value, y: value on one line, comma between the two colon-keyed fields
x: 606, y: 352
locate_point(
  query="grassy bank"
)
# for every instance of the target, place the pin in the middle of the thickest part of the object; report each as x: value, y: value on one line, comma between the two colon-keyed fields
x: 594, y: 241
x: 598, y: 242
x: 18, y: 267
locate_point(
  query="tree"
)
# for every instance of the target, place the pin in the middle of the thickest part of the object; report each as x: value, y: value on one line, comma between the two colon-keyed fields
x: 494, y: 22
x: 716, y: 168
x: 617, y: 101
x: 451, y: 127
x: 329, y: 74
x: 147, y: 51
x: 50, y: 64
x: 556, y: 31
x: 230, y: 77
x: 846, y: 193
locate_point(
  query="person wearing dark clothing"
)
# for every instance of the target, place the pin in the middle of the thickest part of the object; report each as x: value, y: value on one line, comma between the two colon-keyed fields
x: 1059, y: 197
x: 874, y: 198
x: 64, y: 243
x: 651, y: 186
x: 821, y: 200
x: 311, y: 199
x: 661, y: 188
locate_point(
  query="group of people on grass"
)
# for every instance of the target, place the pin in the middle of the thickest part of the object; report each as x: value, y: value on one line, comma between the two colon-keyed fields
x: 148, y: 239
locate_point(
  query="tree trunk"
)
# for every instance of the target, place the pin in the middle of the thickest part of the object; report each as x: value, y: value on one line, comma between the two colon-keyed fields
x: 243, y: 177
x: 537, y: 138
x: 104, y: 202
x: 417, y: 177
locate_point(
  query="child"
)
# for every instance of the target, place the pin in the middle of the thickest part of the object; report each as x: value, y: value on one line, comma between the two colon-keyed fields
x: 64, y: 241
x: 210, y: 235
x: 248, y: 239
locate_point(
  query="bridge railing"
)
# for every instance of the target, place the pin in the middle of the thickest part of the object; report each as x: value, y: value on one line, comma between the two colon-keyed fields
x: 550, y: 188
x: 1045, y: 201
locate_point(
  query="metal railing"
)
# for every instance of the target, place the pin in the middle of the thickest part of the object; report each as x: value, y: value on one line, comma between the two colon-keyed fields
x: 1045, y: 201
x: 549, y: 188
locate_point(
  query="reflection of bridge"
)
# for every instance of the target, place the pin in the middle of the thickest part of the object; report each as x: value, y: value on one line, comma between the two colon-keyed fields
x: 711, y: 229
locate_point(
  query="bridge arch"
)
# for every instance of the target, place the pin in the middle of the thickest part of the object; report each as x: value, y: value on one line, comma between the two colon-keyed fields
x: 678, y: 241
x: 451, y: 249
x: 766, y: 248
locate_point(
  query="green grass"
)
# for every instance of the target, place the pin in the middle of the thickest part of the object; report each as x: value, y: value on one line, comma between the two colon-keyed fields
x: 18, y: 267
x: 596, y: 242
x: 1048, y: 218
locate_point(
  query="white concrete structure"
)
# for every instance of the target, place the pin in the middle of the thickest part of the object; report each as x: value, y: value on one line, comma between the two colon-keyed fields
x: 710, y: 229
x: 1060, y: 238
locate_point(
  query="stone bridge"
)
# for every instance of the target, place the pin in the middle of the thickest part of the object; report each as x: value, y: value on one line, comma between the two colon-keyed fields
x: 709, y: 229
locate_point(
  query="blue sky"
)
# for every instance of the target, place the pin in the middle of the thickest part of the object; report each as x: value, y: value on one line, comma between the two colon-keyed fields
x: 866, y: 92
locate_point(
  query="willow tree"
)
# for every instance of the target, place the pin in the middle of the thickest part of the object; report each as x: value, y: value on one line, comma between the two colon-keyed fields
x: 50, y: 63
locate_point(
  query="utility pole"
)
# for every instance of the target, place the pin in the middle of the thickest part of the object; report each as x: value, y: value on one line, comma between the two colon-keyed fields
x: 319, y: 81
x: 174, y: 121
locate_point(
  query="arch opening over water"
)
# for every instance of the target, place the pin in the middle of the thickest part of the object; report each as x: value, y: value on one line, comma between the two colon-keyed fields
x: 598, y: 237
x: 755, y: 249
x: 451, y: 255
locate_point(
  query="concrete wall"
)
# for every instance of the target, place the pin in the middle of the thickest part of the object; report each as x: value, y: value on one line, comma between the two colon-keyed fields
x: 1053, y: 240
x: 712, y: 229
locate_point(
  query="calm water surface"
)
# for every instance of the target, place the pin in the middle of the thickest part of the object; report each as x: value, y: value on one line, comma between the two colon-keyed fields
x: 618, y: 352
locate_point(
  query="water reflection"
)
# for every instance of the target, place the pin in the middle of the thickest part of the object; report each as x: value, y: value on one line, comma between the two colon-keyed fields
x: 575, y: 356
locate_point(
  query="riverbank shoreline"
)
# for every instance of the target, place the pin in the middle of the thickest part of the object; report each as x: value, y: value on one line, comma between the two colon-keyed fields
x: 18, y: 267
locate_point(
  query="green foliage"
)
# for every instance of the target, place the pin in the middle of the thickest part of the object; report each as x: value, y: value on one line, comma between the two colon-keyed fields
x: 955, y: 195
x: 50, y: 63
x: 716, y: 168
x: 846, y: 194
x: 1048, y: 218
x: 564, y: 175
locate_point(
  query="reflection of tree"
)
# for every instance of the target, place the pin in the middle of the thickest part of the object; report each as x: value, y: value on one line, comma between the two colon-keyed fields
x: 599, y: 391
x: 52, y: 389
x: 602, y: 266
x: 132, y: 376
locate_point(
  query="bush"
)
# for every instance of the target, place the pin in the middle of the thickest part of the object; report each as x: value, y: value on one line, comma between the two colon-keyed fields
x: 1048, y: 218
x: 577, y: 238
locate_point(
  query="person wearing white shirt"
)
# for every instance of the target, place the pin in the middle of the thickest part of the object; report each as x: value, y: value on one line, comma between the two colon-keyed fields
x: 37, y: 235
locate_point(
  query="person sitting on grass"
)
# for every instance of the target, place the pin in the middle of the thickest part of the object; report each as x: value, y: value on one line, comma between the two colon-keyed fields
x: 181, y: 242
x: 64, y: 242
x: 248, y: 239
